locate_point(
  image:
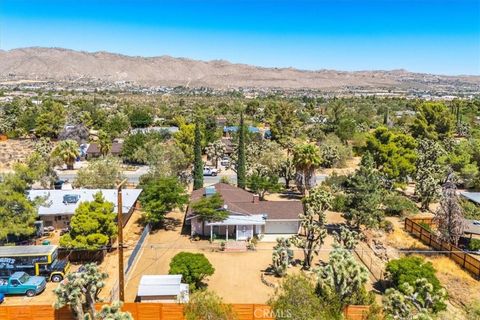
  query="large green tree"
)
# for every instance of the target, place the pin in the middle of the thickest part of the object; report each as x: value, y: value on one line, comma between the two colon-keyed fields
x: 51, y: 119
x: 210, y: 208
x: 394, y: 154
x: 364, y: 194
x: 17, y: 212
x: 102, y: 173
x: 93, y: 225
x: 241, y: 157
x: 433, y: 121
x: 198, y: 162
x: 160, y: 196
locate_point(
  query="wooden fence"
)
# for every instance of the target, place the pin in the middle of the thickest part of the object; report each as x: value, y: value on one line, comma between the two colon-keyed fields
x: 156, y: 311
x: 467, y: 261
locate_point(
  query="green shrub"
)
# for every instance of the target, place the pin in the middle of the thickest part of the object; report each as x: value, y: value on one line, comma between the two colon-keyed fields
x: 194, y: 268
x: 474, y: 245
x: 470, y: 209
x: 398, y: 205
x: 339, y: 202
x: 409, y: 269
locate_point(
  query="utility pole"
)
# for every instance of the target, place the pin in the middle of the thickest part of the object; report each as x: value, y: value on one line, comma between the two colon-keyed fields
x: 121, y: 273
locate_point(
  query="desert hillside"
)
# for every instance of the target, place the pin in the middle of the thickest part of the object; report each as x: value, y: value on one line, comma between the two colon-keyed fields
x: 69, y: 65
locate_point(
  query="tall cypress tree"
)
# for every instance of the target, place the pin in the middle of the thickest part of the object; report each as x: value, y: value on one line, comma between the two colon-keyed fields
x: 198, y: 163
x: 241, y: 162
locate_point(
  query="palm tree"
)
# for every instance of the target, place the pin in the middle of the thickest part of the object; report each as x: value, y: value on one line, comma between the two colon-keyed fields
x: 104, y: 143
x: 306, y: 158
x: 68, y: 151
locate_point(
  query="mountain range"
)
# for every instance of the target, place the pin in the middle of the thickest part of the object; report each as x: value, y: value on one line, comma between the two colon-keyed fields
x: 64, y: 65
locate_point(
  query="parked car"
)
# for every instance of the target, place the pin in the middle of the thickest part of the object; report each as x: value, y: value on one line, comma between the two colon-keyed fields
x: 2, y: 298
x: 58, y: 184
x: 208, y: 171
x: 22, y: 283
x: 225, y: 161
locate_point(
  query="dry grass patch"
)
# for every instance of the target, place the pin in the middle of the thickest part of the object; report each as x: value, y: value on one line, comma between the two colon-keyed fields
x: 400, y: 239
x: 462, y: 288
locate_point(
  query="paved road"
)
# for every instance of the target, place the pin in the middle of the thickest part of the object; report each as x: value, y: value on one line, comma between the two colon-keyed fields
x: 132, y: 176
x: 233, y: 178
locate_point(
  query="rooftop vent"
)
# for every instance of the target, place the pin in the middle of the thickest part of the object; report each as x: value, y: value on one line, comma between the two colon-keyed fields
x: 210, y: 191
x: 71, y: 198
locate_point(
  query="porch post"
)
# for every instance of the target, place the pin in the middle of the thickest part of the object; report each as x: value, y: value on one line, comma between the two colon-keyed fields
x: 227, y: 232
x: 211, y: 232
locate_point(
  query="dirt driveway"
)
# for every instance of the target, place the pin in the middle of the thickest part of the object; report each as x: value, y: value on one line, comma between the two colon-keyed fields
x: 237, y: 275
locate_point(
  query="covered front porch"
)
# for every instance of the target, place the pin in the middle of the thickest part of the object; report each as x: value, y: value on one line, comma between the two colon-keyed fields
x: 237, y: 227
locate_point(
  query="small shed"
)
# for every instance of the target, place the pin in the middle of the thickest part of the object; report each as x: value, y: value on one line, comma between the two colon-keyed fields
x: 163, y: 288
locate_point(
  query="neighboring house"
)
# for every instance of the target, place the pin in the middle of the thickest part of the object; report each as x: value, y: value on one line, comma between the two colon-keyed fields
x: 229, y: 148
x: 170, y: 130
x: 162, y: 288
x: 93, y: 150
x: 59, y: 206
x: 228, y: 130
x: 248, y: 216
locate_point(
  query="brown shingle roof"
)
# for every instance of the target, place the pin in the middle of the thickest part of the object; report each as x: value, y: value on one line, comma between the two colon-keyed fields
x: 239, y: 201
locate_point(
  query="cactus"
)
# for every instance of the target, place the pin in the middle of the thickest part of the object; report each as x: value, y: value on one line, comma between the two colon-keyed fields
x: 282, y: 256
x: 312, y: 224
x: 113, y: 312
x: 80, y: 291
x: 346, y: 238
x: 343, y: 277
x: 413, y: 302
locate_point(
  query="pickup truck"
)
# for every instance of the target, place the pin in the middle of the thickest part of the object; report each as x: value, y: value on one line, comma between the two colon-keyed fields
x: 22, y: 283
x: 207, y: 171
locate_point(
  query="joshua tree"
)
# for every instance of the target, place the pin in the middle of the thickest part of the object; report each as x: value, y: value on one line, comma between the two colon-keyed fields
x: 68, y: 151
x: 429, y: 172
x: 80, y: 291
x: 346, y: 238
x: 413, y: 302
x: 113, y: 312
x: 215, y: 150
x: 282, y: 256
x: 312, y: 224
x: 449, y: 215
x: 306, y: 158
x: 343, y: 278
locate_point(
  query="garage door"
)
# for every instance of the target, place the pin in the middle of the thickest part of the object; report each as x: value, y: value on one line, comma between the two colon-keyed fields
x: 279, y: 227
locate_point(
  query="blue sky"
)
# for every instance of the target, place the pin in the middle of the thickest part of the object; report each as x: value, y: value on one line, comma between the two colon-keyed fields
x: 435, y: 36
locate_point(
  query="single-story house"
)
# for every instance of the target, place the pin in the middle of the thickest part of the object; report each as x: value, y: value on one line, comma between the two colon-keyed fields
x: 162, y: 288
x: 93, y: 150
x: 170, y: 130
x: 472, y: 196
x: 248, y: 216
x: 59, y: 206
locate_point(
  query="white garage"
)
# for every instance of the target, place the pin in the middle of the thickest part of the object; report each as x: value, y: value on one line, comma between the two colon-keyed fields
x: 285, y: 226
